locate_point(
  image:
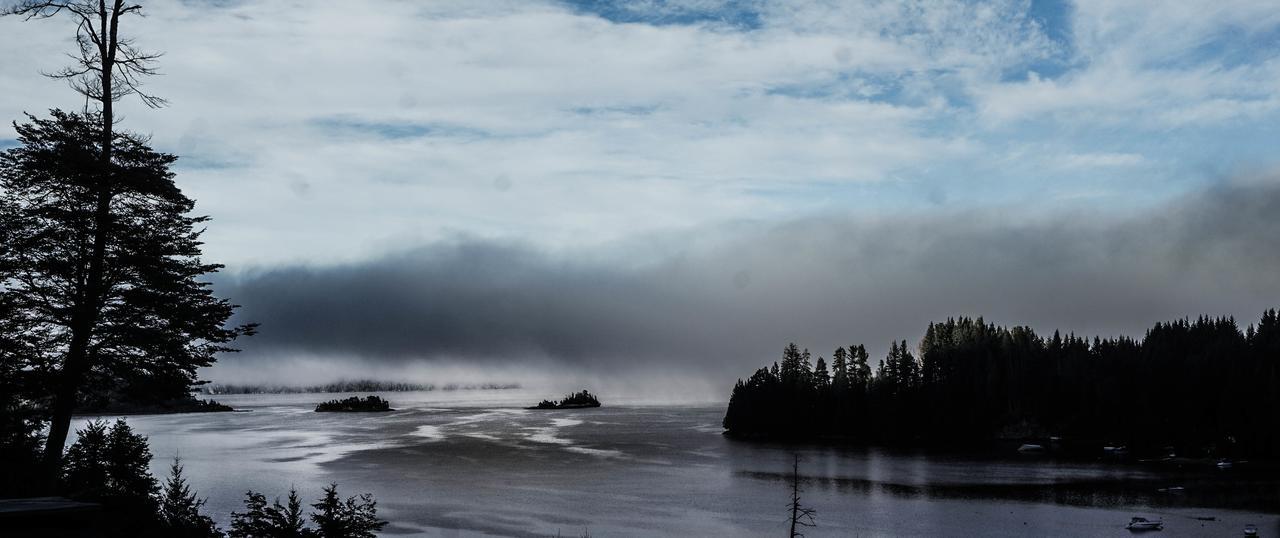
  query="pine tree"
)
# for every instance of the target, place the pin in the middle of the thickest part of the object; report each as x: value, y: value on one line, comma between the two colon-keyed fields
x: 821, y: 377
x: 111, y: 466
x: 840, y: 370
x: 859, y: 370
x: 180, y: 509
x: 154, y: 321
x: 253, y: 522
x: 354, y: 518
x: 117, y: 250
x: 288, y: 520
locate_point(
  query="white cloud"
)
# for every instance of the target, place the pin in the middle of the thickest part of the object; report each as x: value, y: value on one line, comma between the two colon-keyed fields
x: 317, y: 131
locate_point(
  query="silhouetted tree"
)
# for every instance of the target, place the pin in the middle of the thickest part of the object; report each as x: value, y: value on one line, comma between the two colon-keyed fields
x: 1205, y: 386
x: 821, y: 376
x: 179, y: 512
x: 859, y: 370
x: 253, y: 522
x: 154, y: 321
x: 801, y: 516
x: 78, y: 180
x: 353, y: 518
x: 21, y: 427
x: 260, y: 520
x: 111, y: 466
x: 840, y: 370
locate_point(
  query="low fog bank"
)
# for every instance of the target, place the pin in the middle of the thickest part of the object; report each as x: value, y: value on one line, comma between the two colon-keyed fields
x: 709, y: 306
x: 537, y: 379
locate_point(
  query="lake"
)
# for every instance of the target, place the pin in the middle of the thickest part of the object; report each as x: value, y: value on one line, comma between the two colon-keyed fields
x: 474, y: 463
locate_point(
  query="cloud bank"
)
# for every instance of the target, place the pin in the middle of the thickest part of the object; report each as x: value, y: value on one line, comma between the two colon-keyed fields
x: 319, y: 132
x: 717, y: 303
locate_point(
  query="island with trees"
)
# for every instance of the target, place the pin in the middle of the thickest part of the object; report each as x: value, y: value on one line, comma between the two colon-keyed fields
x: 355, y: 404
x: 1201, y: 387
x: 577, y: 400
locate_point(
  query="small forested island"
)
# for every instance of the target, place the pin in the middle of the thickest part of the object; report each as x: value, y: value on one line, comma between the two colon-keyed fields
x: 1200, y: 389
x: 355, y: 404
x: 576, y: 400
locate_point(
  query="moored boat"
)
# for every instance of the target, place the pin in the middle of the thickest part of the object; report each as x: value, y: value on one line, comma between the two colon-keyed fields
x: 1144, y: 524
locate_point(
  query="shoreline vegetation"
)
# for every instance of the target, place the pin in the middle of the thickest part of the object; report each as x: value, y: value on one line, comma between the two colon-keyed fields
x: 355, y: 404
x: 1187, y: 393
x: 359, y: 385
x: 577, y: 400
x: 166, y: 407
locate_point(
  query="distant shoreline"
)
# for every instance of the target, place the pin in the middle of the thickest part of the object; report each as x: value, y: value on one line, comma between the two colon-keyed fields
x: 176, y: 407
x: 216, y: 389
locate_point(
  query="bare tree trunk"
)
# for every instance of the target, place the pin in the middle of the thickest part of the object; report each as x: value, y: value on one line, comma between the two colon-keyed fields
x: 800, y: 516
x: 89, y: 305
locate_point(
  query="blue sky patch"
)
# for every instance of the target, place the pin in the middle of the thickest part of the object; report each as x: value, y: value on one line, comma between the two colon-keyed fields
x: 395, y: 130
x: 737, y: 14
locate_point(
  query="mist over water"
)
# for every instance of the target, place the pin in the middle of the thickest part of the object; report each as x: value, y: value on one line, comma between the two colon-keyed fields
x: 475, y: 463
x: 701, y: 308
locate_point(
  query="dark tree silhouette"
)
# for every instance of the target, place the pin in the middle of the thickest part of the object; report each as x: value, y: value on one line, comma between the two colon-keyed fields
x: 570, y: 401
x: 21, y: 427
x: 1204, y: 386
x: 107, y: 67
x: 800, y: 515
x: 356, y: 517
x: 153, y: 321
x: 179, y: 512
x: 260, y: 520
x: 355, y: 404
x: 111, y: 466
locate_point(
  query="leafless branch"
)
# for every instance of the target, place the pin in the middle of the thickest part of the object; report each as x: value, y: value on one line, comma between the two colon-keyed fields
x: 100, y: 49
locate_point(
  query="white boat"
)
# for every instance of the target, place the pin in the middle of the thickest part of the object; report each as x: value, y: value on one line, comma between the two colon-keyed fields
x: 1250, y: 530
x: 1224, y: 464
x: 1144, y: 524
x: 1031, y: 448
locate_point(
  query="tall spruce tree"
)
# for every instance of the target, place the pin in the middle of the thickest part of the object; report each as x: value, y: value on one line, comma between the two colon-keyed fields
x: 821, y: 377
x: 840, y: 370
x: 106, y: 67
x: 179, y: 511
x: 154, y: 321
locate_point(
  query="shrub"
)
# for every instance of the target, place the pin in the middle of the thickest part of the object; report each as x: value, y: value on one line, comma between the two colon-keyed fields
x: 110, y: 465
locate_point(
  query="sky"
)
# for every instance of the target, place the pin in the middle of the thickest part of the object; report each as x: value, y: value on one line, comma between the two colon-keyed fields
x: 678, y: 188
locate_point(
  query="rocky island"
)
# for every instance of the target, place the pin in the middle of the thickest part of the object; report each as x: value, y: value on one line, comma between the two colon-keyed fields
x: 355, y: 404
x: 577, y: 400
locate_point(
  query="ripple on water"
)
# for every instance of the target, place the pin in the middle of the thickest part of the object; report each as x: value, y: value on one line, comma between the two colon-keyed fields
x: 546, y: 436
x: 598, y: 452
x: 431, y: 433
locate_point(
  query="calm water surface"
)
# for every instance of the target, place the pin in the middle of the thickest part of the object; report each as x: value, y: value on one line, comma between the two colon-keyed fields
x: 473, y: 463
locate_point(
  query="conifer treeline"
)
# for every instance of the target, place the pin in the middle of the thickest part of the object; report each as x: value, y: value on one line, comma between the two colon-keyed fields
x: 1203, y: 386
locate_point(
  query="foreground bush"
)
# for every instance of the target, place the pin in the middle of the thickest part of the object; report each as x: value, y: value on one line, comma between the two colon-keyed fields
x: 109, y: 464
x: 355, y: 517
